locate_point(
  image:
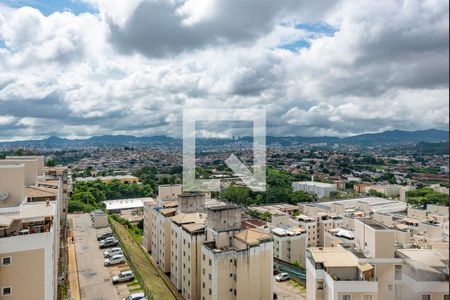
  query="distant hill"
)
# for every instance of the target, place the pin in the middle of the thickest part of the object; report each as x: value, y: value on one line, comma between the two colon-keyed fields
x: 399, y: 137
x: 388, y: 137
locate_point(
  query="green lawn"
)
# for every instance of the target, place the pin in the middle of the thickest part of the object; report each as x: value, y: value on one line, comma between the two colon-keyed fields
x: 152, y: 280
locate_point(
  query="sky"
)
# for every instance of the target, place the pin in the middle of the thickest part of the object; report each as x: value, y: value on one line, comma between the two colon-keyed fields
x: 78, y: 68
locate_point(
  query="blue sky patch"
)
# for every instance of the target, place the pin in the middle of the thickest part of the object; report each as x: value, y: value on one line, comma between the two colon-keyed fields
x: 316, y: 30
x: 48, y: 7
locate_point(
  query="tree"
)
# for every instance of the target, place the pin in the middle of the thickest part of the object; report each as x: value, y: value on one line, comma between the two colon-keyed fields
x: 84, y: 197
x: 375, y: 193
x: 302, y: 196
x: 237, y: 194
x: 50, y: 163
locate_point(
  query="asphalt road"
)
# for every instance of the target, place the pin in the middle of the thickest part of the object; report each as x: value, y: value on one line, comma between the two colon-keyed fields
x: 94, y: 278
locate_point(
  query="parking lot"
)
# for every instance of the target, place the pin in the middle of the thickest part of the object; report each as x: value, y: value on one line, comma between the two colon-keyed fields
x: 94, y: 278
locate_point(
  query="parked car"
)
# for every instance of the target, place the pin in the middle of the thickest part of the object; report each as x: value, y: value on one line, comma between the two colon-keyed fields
x: 112, y: 251
x: 282, y: 277
x: 123, y: 276
x: 136, y: 296
x: 104, y: 235
x: 108, y: 243
x: 114, y: 260
x: 112, y: 237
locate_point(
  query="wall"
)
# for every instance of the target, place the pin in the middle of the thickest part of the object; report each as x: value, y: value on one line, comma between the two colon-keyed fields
x: 12, y: 179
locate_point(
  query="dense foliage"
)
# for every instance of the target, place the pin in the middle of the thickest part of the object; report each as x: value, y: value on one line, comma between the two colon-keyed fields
x: 279, y: 189
x: 423, y: 196
x: 88, y: 195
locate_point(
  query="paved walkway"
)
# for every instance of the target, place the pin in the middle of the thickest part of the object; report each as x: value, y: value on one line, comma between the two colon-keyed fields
x: 73, y: 272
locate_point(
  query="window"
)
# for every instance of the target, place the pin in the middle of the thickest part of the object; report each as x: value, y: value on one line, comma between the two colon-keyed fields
x: 6, y: 261
x: 209, y: 276
x: 390, y: 287
x: 6, y: 291
x: 398, y: 272
x: 446, y: 297
x: 210, y: 262
x: 346, y: 297
x: 210, y: 291
x: 367, y: 297
x: 398, y: 291
x: 426, y: 297
x: 320, y: 285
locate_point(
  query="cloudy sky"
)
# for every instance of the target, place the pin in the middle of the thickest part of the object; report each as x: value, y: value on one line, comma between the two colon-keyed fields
x: 77, y: 68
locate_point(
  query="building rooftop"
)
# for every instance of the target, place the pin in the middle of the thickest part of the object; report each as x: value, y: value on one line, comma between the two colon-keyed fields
x: 32, y: 192
x: 118, y: 177
x: 223, y: 207
x: 433, y: 260
x: 291, y: 231
x: 194, y: 228
x: 374, y: 224
x: 30, y: 212
x: 167, y: 211
x: 333, y: 257
x: 252, y: 236
x: 317, y: 183
x: 120, y: 204
x: 189, y: 218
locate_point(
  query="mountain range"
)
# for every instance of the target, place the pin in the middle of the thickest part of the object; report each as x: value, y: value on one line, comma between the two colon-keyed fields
x: 393, y: 137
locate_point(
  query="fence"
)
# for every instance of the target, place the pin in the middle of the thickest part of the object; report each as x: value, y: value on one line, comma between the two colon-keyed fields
x: 296, y: 273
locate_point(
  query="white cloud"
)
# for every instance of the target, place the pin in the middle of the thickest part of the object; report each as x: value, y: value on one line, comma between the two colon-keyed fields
x: 128, y: 70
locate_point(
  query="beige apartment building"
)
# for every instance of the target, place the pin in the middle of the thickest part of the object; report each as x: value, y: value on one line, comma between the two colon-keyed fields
x: 29, y: 232
x: 236, y: 263
x: 367, y: 263
x: 188, y: 234
x: 289, y: 244
x: 335, y: 273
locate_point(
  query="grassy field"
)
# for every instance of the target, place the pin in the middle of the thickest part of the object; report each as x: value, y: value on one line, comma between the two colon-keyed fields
x: 152, y: 280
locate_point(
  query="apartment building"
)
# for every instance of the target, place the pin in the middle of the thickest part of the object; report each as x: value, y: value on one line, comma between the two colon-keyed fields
x: 372, y: 264
x: 161, y: 230
x: 289, y: 244
x: 167, y: 198
x: 335, y: 273
x: 319, y: 188
x: 236, y: 263
x: 29, y: 232
x: 188, y: 233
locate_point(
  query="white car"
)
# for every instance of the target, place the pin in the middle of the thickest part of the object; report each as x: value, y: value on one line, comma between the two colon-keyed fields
x: 112, y: 251
x: 123, y: 276
x: 282, y: 277
x: 136, y: 296
x: 114, y: 260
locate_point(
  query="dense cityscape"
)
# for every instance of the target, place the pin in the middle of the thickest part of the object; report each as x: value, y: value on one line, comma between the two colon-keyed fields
x: 224, y: 150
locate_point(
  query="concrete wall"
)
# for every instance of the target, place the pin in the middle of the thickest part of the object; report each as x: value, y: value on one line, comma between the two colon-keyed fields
x: 31, y: 168
x: 25, y: 275
x: 169, y: 192
x: 12, y: 179
x: 40, y: 161
x: 224, y: 219
x: 191, y: 203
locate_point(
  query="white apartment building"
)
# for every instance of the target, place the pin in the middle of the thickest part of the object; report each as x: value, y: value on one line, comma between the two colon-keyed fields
x: 29, y: 233
x: 319, y: 188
